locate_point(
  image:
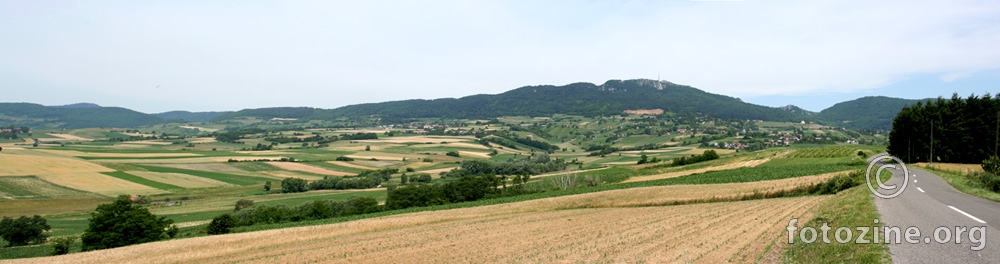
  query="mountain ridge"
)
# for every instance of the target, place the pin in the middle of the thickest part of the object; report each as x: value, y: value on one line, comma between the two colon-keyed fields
x: 581, y: 98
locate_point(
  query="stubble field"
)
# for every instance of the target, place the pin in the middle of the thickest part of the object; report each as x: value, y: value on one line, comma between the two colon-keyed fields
x: 612, y: 226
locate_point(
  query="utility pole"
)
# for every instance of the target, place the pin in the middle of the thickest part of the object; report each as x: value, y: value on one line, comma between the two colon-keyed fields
x: 997, y: 135
x: 932, y: 144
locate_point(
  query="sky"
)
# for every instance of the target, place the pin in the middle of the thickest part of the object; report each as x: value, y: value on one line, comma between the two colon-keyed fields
x: 157, y: 56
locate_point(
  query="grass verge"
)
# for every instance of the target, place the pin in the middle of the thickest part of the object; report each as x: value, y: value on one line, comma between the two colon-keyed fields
x: 966, y: 183
x: 851, y: 208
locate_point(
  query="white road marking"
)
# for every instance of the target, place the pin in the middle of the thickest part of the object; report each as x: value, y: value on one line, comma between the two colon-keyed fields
x: 921, y: 190
x: 914, y: 180
x: 967, y: 214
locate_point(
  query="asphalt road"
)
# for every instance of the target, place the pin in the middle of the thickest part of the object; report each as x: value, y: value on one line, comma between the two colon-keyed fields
x: 927, y: 203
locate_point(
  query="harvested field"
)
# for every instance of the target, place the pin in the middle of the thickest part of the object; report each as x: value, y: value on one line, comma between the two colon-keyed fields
x: 474, y: 154
x: 98, y: 183
x: 19, y: 188
x: 288, y: 174
x: 178, y: 179
x: 435, y: 172
x: 645, y: 111
x: 214, y: 166
x: 351, y: 165
x: 183, y: 160
x: 148, y: 142
x: 955, y: 167
x: 15, y: 165
x: 454, y: 145
x: 75, y: 153
x: 749, y: 163
x: 711, y: 232
x: 377, y: 164
x: 265, y: 152
x: 202, y: 140
x: 68, y: 137
x: 306, y: 168
x: 200, y: 128
x: 419, y: 139
x: 699, y: 151
x: 367, y: 156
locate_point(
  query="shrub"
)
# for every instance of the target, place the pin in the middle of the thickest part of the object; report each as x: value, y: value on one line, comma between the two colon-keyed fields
x: 243, y: 203
x: 453, y: 154
x: 342, y: 158
x: 122, y: 223
x: 267, y: 186
x: 60, y: 245
x: 24, y: 230
x: 221, y: 224
x: 409, y: 170
x: 992, y: 165
x: 291, y: 185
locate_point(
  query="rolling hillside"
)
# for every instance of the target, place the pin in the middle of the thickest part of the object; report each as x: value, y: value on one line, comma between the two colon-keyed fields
x: 587, y: 99
x: 190, y: 116
x: 40, y: 116
x: 873, y: 112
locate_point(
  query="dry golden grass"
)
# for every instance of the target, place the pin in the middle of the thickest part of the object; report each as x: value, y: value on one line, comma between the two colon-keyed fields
x: 148, y: 142
x: 214, y: 166
x: 645, y: 111
x: 74, y: 153
x: 531, y: 231
x: 955, y: 167
x: 420, y: 139
x: 351, y: 165
x: 200, y: 128
x: 41, y: 189
x: 289, y: 174
x: 748, y: 163
x: 178, y: 179
x: 68, y: 137
x: 183, y: 160
x: 24, y: 163
x: 202, y: 140
x: 474, y: 154
x: 699, y: 151
x: 98, y: 183
x: 435, y: 172
x: 306, y: 168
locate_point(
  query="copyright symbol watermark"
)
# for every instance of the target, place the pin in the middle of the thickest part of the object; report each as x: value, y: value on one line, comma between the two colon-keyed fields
x: 879, y: 162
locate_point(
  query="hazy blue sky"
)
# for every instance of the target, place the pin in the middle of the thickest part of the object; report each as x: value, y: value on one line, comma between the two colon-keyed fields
x: 228, y: 55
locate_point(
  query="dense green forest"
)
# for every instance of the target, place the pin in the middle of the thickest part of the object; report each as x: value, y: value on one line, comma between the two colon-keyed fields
x: 584, y: 99
x: 36, y: 115
x: 964, y: 130
x: 872, y: 112
x: 189, y: 116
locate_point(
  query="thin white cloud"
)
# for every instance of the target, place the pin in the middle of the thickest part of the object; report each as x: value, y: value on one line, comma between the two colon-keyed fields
x: 221, y: 56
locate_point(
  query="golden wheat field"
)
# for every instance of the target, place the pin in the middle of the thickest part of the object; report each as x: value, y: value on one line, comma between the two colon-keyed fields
x: 98, y: 183
x: 306, y: 168
x: 178, y: 179
x: 614, y: 226
x: 26, y: 162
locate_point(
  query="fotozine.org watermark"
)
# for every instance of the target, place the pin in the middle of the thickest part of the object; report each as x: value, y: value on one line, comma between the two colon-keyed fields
x: 975, y: 236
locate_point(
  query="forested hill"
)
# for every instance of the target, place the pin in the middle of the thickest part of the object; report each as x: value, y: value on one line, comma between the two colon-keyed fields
x: 872, y: 112
x: 610, y: 98
x: 40, y: 116
x: 189, y: 116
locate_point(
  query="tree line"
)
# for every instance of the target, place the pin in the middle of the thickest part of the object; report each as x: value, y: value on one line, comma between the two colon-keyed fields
x: 964, y: 130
